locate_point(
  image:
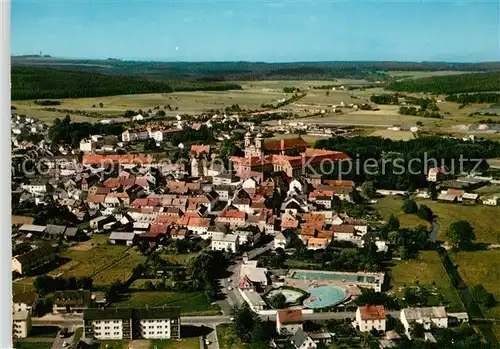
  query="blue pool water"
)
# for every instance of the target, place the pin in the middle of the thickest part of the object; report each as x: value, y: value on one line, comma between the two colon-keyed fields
x: 311, y: 275
x: 325, y: 296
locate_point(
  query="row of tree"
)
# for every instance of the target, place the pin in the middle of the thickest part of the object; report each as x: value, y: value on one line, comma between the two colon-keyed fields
x: 466, y: 98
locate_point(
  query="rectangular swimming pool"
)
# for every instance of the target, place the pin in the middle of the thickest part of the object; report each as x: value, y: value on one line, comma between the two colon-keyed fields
x: 312, y: 275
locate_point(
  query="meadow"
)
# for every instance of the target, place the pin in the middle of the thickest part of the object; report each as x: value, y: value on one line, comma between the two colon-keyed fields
x: 427, y: 271
x: 481, y: 267
x: 191, y: 303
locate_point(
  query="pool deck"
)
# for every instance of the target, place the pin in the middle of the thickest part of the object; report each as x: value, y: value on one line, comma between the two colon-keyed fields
x: 304, y: 284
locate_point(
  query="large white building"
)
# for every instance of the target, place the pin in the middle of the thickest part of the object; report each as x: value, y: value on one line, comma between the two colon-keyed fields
x: 221, y: 241
x: 370, y: 318
x: 126, y: 323
x: 428, y: 317
x: 21, y: 323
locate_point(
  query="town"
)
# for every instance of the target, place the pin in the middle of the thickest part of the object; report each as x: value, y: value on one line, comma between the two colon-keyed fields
x: 213, y: 228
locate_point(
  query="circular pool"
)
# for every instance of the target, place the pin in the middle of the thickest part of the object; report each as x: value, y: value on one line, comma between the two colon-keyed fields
x: 291, y: 296
x: 325, y: 296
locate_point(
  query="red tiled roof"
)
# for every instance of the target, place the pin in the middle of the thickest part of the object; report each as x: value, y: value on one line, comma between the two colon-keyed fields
x: 284, y: 144
x: 233, y: 214
x: 96, y: 198
x: 198, y: 149
x: 290, y: 316
x: 374, y: 312
x: 198, y: 222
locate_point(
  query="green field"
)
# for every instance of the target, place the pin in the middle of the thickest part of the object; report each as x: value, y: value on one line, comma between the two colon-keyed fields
x: 191, y: 303
x: 95, y: 258
x: 392, y: 205
x: 481, y: 267
x: 185, y: 343
x: 33, y: 345
x: 228, y: 339
x: 23, y: 285
x: 426, y: 269
x: 481, y: 217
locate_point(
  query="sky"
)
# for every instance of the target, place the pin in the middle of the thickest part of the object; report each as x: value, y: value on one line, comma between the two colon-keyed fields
x: 258, y: 30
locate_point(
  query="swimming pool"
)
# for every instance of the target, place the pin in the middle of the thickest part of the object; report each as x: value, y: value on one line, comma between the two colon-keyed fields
x: 290, y: 295
x: 325, y: 296
x: 311, y: 275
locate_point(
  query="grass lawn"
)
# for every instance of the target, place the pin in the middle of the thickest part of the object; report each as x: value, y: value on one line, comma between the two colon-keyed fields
x: 191, y: 303
x: 185, y: 343
x: 44, y: 331
x: 95, y: 258
x: 228, y: 339
x: 481, y: 267
x: 139, y: 283
x: 480, y: 216
x: 179, y: 258
x: 426, y: 269
x: 24, y: 285
x: 116, y: 344
x: 392, y: 205
x: 33, y: 345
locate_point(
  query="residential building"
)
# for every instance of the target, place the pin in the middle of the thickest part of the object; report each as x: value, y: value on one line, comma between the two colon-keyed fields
x: 289, y: 321
x: 123, y: 238
x: 301, y: 340
x: 436, y: 174
x: 71, y: 301
x: 227, y: 242
x: 370, y: 318
x: 429, y: 317
x: 38, y: 257
x: 128, y: 323
x: 280, y: 241
x: 21, y: 323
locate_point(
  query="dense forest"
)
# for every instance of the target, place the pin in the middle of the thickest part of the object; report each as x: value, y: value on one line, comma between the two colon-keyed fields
x: 475, y: 82
x: 398, y: 154
x: 466, y: 98
x: 233, y: 71
x: 31, y: 83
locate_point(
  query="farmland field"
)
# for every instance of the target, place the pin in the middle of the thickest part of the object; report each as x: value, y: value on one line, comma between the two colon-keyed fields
x: 480, y: 216
x: 481, y: 267
x: 104, y: 263
x: 191, y: 303
x: 392, y: 205
x: 428, y: 271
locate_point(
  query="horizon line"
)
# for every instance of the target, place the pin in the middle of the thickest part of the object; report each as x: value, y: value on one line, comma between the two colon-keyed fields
x: 34, y: 56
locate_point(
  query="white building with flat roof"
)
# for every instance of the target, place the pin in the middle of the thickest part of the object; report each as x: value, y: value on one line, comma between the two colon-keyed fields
x: 428, y: 317
x: 227, y: 242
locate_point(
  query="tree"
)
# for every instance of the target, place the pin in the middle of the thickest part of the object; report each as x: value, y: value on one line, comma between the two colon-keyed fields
x: 150, y: 144
x: 278, y: 301
x: 101, y: 105
x: 244, y: 321
x: 393, y: 223
x: 160, y: 113
x: 483, y: 297
x: 461, y: 235
x: 368, y: 190
x: 417, y: 330
x: 425, y: 213
x: 410, y: 206
x: 432, y: 191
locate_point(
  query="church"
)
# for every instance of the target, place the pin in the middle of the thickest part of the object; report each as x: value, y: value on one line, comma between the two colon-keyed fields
x: 290, y: 155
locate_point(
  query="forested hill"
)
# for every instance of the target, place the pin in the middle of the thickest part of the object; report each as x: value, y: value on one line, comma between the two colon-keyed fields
x: 238, y: 71
x: 38, y: 83
x: 476, y: 82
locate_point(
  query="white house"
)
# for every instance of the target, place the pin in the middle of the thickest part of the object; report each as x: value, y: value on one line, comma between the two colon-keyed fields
x: 221, y: 241
x: 289, y: 321
x: 21, y: 323
x: 301, y: 340
x: 36, y: 188
x: 491, y: 200
x: 87, y: 145
x: 428, y: 317
x: 435, y: 174
x: 370, y: 317
x: 280, y: 241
